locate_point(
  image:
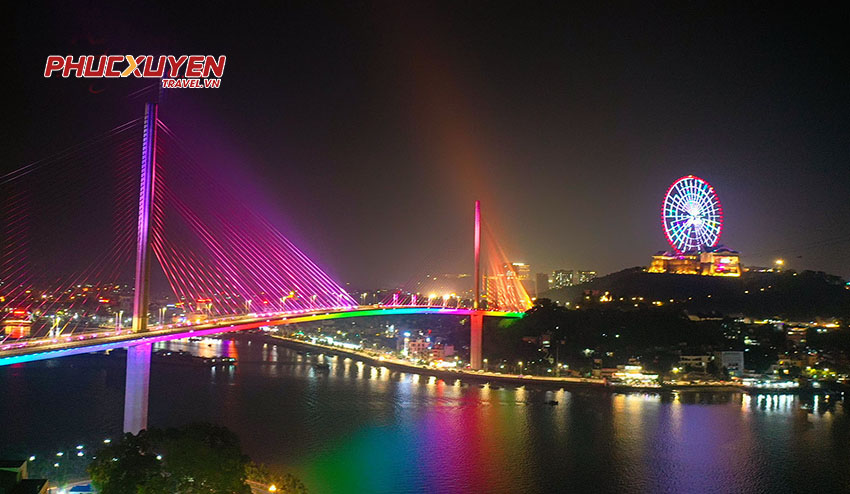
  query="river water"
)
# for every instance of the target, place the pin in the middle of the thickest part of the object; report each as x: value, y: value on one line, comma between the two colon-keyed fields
x: 357, y: 428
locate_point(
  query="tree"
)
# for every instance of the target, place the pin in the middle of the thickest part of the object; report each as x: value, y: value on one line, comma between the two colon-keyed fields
x: 285, y: 483
x: 125, y: 465
x: 195, y: 459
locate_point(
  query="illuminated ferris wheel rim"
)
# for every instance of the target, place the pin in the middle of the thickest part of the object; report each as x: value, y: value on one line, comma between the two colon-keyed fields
x: 691, y: 215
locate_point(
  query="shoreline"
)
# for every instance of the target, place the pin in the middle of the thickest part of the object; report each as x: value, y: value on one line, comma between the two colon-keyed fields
x: 488, y: 377
x: 476, y: 377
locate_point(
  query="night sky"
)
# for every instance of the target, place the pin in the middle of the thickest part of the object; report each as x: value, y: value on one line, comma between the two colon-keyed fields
x: 367, y: 130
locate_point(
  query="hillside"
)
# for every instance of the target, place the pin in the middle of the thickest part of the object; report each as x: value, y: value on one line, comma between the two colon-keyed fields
x: 787, y: 295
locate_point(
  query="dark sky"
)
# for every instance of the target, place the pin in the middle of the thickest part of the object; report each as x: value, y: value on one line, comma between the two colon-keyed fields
x: 367, y: 130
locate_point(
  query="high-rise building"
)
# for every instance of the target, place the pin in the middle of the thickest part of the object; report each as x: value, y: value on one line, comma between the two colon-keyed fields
x: 542, y: 283
x: 508, y: 288
x: 522, y: 272
x: 562, y: 278
x: 586, y: 276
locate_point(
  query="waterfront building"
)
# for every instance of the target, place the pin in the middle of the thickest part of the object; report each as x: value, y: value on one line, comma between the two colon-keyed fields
x: 633, y: 375
x: 418, y: 346
x: 442, y: 351
x: 733, y: 361
x: 695, y: 361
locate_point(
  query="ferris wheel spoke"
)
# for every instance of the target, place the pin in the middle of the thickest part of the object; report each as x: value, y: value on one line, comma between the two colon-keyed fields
x: 680, y: 204
x: 692, y: 214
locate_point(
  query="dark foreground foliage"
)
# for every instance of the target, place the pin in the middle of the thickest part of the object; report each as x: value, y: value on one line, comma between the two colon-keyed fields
x: 194, y: 459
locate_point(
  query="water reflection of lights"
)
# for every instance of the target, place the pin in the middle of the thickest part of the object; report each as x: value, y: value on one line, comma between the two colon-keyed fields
x: 788, y: 403
x: 521, y: 395
x: 768, y: 402
x: 485, y: 393
x: 560, y: 417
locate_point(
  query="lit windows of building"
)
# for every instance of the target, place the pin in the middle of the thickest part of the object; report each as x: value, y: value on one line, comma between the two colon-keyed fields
x: 712, y: 262
x: 695, y: 361
x: 442, y: 351
x: 586, y: 276
x: 732, y: 361
x: 562, y: 278
x: 417, y: 347
x: 521, y: 270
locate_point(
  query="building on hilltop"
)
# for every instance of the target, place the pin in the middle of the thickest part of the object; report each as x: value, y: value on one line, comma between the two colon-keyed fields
x: 585, y: 276
x: 692, y: 219
x: 718, y: 261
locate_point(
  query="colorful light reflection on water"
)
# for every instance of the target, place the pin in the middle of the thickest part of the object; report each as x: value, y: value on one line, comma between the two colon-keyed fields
x: 358, y: 428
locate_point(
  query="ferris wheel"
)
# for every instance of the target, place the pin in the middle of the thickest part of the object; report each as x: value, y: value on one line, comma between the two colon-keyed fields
x: 692, y: 215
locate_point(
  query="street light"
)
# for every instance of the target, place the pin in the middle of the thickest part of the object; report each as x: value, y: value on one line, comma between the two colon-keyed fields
x: 272, y: 488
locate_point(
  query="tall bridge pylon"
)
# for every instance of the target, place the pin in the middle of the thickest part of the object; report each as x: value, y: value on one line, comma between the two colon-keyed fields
x: 216, y: 253
x: 137, y: 382
x: 476, y: 320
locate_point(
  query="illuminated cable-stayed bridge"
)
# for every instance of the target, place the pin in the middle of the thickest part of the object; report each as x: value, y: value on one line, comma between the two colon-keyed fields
x: 227, y: 267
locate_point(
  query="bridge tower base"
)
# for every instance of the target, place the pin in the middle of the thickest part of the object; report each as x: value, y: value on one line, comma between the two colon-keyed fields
x: 136, y: 388
x: 476, y: 321
x: 476, y: 325
x: 139, y: 357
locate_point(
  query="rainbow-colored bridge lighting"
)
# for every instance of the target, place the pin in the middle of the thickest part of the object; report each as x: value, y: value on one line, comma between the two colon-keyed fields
x: 35, y: 352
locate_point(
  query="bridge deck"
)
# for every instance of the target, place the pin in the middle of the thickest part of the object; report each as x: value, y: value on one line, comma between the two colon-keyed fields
x: 64, y: 346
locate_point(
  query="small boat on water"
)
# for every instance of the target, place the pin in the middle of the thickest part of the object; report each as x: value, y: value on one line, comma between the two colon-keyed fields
x: 321, y: 366
x: 552, y: 402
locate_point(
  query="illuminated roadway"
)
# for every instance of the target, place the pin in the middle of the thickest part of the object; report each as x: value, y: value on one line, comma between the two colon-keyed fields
x: 63, y: 346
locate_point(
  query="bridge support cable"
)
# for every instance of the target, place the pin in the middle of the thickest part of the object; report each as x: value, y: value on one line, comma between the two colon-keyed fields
x: 60, y: 265
x: 218, y: 255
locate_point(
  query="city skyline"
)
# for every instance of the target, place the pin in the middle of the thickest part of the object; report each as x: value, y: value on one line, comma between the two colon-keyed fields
x: 570, y: 167
x: 383, y: 247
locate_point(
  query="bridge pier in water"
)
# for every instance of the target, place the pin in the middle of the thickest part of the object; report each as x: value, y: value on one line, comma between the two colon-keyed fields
x: 136, y: 388
x: 476, y: 325
x: 139, y: 357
